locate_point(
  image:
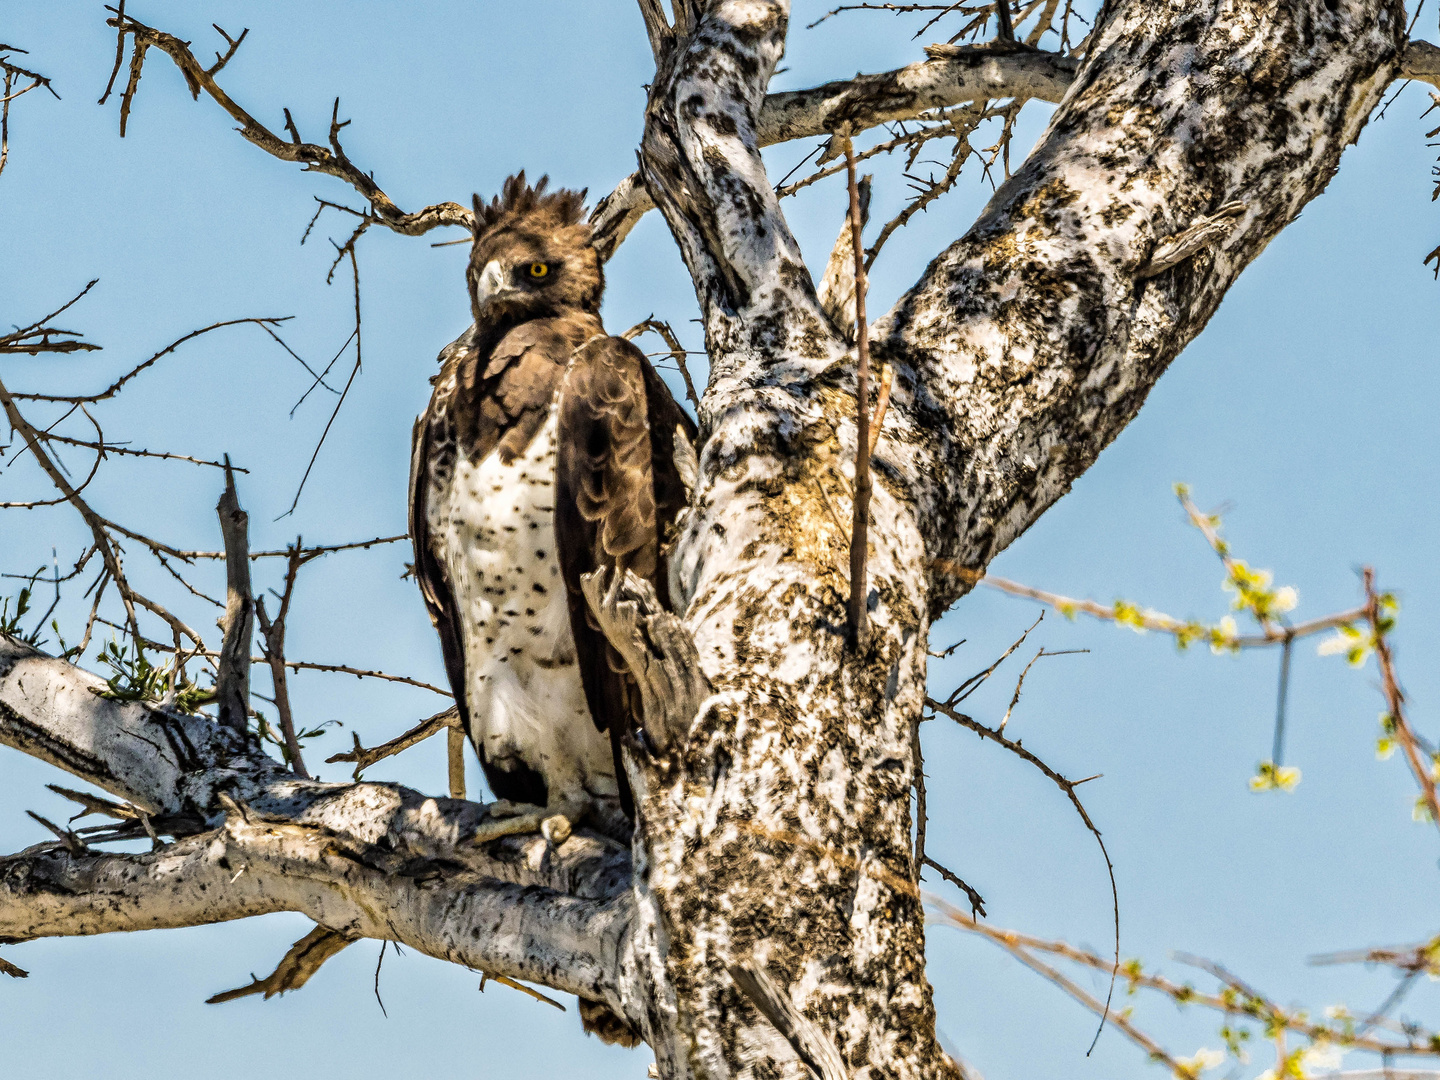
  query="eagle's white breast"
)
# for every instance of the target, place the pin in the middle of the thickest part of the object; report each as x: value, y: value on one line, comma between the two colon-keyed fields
x: 493, y: 526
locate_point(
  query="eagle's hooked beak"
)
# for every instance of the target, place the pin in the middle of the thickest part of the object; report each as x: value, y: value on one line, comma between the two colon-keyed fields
x: 492, y: 283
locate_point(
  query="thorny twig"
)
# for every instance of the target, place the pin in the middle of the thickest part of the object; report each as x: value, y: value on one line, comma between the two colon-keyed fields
x: 11, y: 74
x: 1068, y: 787
x: 677, y: 351
x: 272, y: 635
x: 1395, y: 697
x: 39, y: 336
x: 363, y: 758
x: 115, y: 387
x: 331, y: 161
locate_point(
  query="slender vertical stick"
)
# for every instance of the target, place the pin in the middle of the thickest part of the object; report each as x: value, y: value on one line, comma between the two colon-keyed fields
x: 921, y: 812
x: 1006, y: 30
x: 859, y: 540
x: 273, y: 635
x: 232, y: 683
x: 455, y: 747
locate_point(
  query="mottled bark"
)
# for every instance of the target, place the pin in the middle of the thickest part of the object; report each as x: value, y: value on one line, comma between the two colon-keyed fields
x: 766, y: 922
x: 1019, y: 355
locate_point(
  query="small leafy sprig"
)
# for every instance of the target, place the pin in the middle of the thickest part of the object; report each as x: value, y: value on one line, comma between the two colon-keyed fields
x: 134, y: 678
x: 267, y: 732
x: 10, y: 621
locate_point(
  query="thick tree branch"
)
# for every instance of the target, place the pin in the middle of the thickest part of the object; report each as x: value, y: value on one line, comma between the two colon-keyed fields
x: 365, y: 860
x: 866, y: 101
x: 253, y: 865
x: 1033, y: 340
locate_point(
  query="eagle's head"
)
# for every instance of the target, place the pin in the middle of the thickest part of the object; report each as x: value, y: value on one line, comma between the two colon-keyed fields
x: 532, y: 255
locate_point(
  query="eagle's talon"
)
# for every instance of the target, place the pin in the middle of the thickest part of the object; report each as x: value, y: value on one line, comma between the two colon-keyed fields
x: 556, y: 829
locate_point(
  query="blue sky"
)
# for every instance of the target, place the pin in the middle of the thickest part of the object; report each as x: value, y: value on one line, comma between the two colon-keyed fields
x: 1305, y: 407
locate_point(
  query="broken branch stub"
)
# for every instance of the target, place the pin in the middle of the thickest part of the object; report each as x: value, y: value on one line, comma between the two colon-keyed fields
x: 232, y: 684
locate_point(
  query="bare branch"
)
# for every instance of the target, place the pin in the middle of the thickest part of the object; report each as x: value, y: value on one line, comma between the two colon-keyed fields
x: 1068, y: 787
x: 677, y: 351
x: 115, y: 387
x: 295, y: 968
x: 331, y: 161
x: 449, y: 720
x: 273, y: 635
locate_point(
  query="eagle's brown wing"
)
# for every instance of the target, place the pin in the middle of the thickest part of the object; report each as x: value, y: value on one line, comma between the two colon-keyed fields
x: 617, y: 494
x: 482, y: 404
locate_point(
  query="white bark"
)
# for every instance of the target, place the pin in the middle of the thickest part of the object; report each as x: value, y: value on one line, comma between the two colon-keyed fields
x: 1193, y: 134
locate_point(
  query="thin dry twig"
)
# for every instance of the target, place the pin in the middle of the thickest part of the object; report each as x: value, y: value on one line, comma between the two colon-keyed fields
x: 40, y: 337
x: 115, y: 387
x: 448, y: 720
x: 331, y: 161
x: 677, y: 351
x: 1068, y: 787
x: 355, y: 268
x: 273, y: 640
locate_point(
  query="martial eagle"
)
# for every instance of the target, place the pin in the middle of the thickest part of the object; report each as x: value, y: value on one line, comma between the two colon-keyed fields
x: 547, y: 451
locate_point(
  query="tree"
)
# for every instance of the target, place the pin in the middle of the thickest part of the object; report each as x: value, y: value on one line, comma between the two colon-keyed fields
x: 1023, y: 350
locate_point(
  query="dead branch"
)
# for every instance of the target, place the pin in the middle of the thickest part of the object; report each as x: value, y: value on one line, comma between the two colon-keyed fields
x: 295, y: 968
x: 273, y: 638
x: 331, y: 161
x: 109, y: 551
x: 449, y: 720
x: 1068, y: 787
x: 40, y: 337
x: 677, y: 351
x: 354, y: 371
x: 232, y: 683
x: 115, y: 387
x: 9, y: 74
x: 977, y: 902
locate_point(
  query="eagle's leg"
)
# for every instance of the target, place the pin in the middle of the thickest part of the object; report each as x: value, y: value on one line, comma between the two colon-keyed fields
x: 554, y: 822
x: 505, y: 818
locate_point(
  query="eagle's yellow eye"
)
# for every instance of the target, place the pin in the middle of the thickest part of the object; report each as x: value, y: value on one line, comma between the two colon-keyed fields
x: 539, y: 270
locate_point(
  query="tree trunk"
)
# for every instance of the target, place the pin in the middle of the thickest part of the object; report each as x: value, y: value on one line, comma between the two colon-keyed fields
x: 782, y: 841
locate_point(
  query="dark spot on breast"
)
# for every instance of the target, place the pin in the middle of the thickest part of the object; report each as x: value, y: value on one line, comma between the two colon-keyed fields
x: 537, y: 587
